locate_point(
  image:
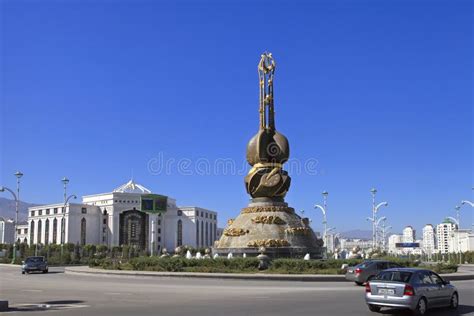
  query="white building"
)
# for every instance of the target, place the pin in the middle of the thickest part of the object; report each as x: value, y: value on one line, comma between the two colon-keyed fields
x: 408, y: 234
x: 349, y: 244
x: 7, y: 231
x: 429, y: 241
x: 462, y: 240
x: 22, y: 232
x: 129, y: 215
x: 445, y: 235
x: 393, y: 240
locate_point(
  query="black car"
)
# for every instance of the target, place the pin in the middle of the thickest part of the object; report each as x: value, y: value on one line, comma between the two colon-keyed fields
x: 34, y: 264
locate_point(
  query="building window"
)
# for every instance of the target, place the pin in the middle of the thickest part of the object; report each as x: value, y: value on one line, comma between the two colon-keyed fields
x: 202, y: 233
x: 104, y: 221
x: 180, y: 233
x: 55, y: 210
x: 159, y: 222
x: 197, y: 213
x: 159, y: 230
x: 46, y: 231
x: 38, y: 234
x: 32, y: 232
x: 180, y: 213
x: 197, y: 233
x: 215, y: 231
x: 206, y: 215
x: 83, y: 231
x: 84, y: 210
x: 47, y: 211
x: 55, y: 230
x: 40, y: 212
x: 207, y: 234
x: 32, y: 213
x: 159, y: 238
x: 202, y: 214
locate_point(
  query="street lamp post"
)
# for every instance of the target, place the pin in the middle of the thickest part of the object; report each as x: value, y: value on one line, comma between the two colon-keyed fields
x: 457, y: 208
x: 323, y: 209
x: 16, y: 198
x: 379, y: 220
x: 65, y: 182
x: 373, y: 219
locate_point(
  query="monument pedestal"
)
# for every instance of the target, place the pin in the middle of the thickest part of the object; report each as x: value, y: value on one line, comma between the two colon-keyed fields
x: 272, y: 224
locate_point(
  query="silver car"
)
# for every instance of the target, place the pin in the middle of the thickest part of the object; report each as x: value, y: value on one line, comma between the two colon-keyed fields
x: 409, y: 288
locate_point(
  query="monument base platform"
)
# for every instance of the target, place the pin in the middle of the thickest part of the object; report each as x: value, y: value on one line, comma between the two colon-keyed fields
x: 271, y: 224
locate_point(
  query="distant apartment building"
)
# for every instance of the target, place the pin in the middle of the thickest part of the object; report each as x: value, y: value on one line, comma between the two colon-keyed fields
x: 445, y: 236
x: 349, y: 244
x: 429, y: 240
x: 408, y: 234
x: 393, y: 240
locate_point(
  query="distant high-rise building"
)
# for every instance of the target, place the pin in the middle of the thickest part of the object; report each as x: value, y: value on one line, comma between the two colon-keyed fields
x: 445, y: 235
x: 408, y: 234
x: 429, y: 241
x: 392, y: 241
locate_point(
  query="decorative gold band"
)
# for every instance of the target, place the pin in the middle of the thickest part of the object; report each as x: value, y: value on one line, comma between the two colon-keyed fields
x: 262, y: 209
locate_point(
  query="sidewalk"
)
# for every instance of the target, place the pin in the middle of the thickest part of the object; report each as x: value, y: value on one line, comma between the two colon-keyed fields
x: 84, y: 270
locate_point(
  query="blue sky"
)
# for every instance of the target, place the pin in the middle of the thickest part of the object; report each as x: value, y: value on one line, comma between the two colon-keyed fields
x: 379, y: 94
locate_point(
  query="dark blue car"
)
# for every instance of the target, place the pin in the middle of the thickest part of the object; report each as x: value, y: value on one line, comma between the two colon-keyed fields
x: 34, y: 264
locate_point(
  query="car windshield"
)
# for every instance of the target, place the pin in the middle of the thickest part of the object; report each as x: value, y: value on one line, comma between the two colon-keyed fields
x: 397, y: 276
x: 364, y: 264
x: 34, y: 259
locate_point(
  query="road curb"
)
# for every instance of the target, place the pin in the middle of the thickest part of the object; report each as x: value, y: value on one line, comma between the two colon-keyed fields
x: 233, y: 276
x: 262, y: 277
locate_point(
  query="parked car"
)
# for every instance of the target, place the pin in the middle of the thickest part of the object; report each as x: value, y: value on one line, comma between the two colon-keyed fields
x: 368, y: 269
x: 409, y: 288
x: 34, y: 264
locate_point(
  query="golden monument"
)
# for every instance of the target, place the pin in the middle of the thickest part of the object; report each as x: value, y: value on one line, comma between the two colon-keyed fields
x: 268, y: 221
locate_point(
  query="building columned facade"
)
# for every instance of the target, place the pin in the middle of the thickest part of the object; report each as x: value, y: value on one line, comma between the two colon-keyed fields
x: 7, y: 230
x: 129, y: 215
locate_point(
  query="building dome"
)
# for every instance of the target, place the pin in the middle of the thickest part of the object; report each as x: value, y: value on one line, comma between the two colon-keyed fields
x: 132, y: 187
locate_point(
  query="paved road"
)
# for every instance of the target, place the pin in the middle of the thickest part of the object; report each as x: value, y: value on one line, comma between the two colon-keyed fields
x: 57, y: 293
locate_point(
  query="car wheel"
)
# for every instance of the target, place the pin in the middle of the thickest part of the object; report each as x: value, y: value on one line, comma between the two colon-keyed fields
x: 374, y: 308
x: 421, y: 307
x: 454, y: 301
x: 45, y: 271
x: 358, y: 283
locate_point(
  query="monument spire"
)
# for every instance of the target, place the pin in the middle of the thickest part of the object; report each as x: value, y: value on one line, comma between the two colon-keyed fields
x: 266, y: 71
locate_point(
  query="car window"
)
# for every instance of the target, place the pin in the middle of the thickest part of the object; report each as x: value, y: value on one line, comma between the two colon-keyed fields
x: 436, y: 279
x: 397, y: 276
x: 394, y: 265
x: 381, y: 265
x: 424, y: 278
x: 363, y: 264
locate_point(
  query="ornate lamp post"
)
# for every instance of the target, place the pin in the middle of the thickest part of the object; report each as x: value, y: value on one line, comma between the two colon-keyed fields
x: 323, y: 209
x: 373, y: 219
x: 65, y: 182
x: 16, y: 197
